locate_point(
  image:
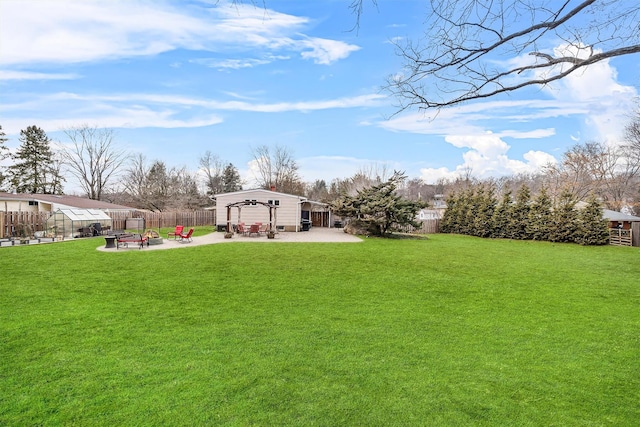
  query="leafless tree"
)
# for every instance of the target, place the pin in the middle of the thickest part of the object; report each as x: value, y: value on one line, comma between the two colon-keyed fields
x: 93, y: 158
x: 598, y: 168
x: 4, y: 154
x: 135, y: 177
x: 213, y: 169
x: 276, y: 167
x: 632, y: 152
x: 469, y: 48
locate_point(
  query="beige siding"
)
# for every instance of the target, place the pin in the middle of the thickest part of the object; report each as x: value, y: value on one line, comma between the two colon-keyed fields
x: 24, y: 206
x: 288, y: 212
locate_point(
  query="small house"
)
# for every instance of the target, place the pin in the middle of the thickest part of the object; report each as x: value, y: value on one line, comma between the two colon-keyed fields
x: 623, y: 229
x: 294, y: 213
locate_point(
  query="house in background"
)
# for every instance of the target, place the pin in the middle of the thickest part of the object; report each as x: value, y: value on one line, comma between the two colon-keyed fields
x: 624, y: 229
x: 436, y: 211
x: 27, y: 202
x: 293, y: 213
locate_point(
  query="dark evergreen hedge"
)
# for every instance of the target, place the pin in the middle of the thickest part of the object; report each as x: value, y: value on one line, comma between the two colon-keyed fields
x: 476, y: 211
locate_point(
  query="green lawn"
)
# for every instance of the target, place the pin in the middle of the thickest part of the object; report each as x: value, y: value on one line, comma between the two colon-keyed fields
x: 451, y: 331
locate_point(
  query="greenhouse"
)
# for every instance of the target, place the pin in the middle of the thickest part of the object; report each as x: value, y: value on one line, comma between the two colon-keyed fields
x: 70, y: 223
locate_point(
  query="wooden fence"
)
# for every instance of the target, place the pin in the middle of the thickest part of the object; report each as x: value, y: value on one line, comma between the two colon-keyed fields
x: 157, y: 220
x: 11, y: 222
x: 620, y: 237
x: 428, y: 226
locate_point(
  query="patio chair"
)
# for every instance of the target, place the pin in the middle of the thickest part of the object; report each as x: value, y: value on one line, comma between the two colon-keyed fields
x: 187, y: 236
x: 241, y: 229
x: 264, y: 228
x: 254, y: 229
x: 176, y: 233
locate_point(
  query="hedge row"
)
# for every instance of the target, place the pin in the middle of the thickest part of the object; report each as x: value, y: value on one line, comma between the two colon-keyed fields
x: 476, y: 211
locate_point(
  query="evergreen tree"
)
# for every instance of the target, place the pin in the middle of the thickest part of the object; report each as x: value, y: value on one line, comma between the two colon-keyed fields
x: 500, y: 217
x: 467, y: 211
x: 564, y: 220
x: 35, y: 170
x: 593, y: 229
x: 518, y: 215
x: 448, y: 223
x: 484, y: 206
x: 231, y: 179
x: 540, y: 217
x: 379, y: 208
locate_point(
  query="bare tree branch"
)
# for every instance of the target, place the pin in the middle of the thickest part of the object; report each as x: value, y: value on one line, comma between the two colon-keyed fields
x: 468, y: 45
x: 92, y: 158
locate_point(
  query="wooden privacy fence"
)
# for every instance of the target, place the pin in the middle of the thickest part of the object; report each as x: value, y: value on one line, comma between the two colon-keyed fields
x: 428, y: 226
x: 11, y: 221
x: 155, y: 220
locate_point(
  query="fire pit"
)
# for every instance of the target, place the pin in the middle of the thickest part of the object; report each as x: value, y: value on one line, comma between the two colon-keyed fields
x: 153, y: 237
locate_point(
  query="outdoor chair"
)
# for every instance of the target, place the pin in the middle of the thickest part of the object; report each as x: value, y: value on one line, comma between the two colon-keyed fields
x: 254, y: 229
x: 176, y: 233
x: 187, y: 236
x: 241, y: 229
x: 264, y: 228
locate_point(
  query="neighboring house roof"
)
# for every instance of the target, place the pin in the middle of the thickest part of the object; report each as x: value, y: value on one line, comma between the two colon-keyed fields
x: 62, y: 201
x: 618, y: 216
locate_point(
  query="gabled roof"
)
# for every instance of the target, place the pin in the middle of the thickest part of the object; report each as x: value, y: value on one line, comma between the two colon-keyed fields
x: 260, y: 190
x: 65, y: 201
x: 618, y: 216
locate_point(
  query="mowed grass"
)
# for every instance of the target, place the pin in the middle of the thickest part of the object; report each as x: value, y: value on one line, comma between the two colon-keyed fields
x: 452, y: 330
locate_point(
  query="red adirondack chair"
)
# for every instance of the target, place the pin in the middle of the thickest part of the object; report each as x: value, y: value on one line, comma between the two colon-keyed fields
x: 187, y: 236
x: 177, y: 232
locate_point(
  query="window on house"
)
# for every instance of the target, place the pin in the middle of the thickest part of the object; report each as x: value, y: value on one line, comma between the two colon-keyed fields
x: 33, y: 203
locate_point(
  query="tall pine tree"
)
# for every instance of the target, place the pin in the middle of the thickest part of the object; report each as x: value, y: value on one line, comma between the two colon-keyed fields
x: 485, y: 204
x: 500, y: 217
x: 231, y: 180
x: 540, y: 217
x: 564, y: 221
x: 35, y: 168
x: 519, y: 214
x: 593, y: 229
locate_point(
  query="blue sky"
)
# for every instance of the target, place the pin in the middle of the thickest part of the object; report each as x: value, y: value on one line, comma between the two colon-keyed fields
x: 175, y: 79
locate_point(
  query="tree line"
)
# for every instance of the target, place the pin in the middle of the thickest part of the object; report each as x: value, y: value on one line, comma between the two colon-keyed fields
x: 476, y: 211
x: 104, y: 171
x: 107, y: 172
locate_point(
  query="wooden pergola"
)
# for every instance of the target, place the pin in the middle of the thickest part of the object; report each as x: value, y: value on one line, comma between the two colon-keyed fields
x: 239, y: 205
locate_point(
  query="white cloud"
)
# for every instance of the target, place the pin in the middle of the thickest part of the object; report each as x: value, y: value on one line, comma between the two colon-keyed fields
x: 26, y: 75
x: 487, y: 156
x: 151, y: 110
x: 597, y: 90
x: 237, y: 64
x: 68, y: 31
x: 593, y: 95
x: 325, y: 51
